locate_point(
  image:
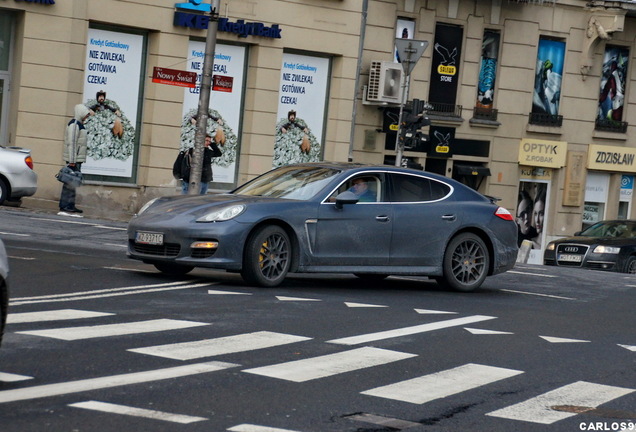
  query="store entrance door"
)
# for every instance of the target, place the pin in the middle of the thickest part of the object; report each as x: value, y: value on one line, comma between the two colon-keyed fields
x: 4, y: 108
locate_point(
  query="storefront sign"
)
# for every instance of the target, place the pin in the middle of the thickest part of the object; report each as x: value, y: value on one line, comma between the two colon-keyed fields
x: 174, y: 77
x: 222, y: 83
x: 608, y: 158
x: 195, y: 15
x: 574, y: 179
x: 549, y: 154
x: 44, y: 2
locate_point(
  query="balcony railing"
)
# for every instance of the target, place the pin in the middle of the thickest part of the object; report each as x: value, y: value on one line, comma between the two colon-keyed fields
x: 543, y: 119
x: 606, y: 125
x: 481, y: 113
x: 443, y: 109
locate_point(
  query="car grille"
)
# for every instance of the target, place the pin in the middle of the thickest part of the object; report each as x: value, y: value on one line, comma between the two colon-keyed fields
x: 202, y: 253
x: 571, y: 254
x: 165, y: 250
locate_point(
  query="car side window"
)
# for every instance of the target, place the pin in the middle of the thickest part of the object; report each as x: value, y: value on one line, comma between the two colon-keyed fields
x: 409, y: 188
x: 369, y: 188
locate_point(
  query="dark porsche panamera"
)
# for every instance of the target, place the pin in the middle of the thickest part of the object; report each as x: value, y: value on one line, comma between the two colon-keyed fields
x: 607, y: 245
x: 310, y: 218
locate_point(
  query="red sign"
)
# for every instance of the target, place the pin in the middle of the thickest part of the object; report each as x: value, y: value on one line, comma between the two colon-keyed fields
x: 222, y: 83
x: 174, y: 77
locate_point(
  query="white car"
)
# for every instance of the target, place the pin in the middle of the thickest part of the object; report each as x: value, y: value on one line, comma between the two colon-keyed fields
x: 4, y: 288
x: 17, y: 178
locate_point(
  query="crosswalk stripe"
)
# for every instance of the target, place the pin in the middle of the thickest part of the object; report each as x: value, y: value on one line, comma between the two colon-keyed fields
x: 89, y: 332
x: 8, y: 377
x: 331, y: 364
x: 442, y: 384
x: 371, y: 337
x: 220, y: 346
x: 255, y: 428
x: 64, y: 388
x: 54, y: 315
x: 540, y: 409
x: 137, y: 412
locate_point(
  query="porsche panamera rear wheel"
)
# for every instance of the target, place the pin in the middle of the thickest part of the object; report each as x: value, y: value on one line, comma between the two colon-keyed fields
x: 267, y: 257
x: 466, y: 263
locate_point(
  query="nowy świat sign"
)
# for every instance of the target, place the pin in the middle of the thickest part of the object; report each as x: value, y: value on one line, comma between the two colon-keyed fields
x: 193, y: 15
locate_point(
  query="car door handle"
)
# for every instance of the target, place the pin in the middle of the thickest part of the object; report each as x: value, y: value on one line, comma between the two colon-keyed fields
x: 449, y: 217
x: 382, y: 218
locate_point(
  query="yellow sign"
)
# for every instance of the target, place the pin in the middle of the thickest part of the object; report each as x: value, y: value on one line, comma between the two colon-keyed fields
x: 393, y: 127
x: 540, y: 153
x: 442, y: 149
x: 610, y: 158
x: 446, y: 70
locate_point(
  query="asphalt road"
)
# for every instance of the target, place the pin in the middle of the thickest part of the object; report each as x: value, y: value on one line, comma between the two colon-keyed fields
x: 98, y: 342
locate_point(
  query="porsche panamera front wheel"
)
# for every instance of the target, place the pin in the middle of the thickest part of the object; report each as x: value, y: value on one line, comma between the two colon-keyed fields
x: 267, y: 257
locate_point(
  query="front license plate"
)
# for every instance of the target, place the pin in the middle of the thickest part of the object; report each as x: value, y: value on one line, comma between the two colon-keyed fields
x: 149, y: 238
x: 570, y: 258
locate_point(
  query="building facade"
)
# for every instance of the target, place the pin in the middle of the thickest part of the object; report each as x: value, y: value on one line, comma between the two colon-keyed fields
x: 528, y: 101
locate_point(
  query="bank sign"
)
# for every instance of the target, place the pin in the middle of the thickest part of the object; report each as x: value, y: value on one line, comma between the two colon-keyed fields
x: 193, y: 15
x: 540, y: 153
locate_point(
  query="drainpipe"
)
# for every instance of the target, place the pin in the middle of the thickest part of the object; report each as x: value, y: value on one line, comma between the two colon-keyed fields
x: 363, y: 30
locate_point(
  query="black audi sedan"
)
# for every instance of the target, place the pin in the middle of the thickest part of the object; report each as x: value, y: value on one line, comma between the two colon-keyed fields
x: 607, y: 245
x: 372, y: 221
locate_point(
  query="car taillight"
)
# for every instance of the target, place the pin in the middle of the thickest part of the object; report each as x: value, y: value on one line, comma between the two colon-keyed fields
x: 503, y: 214
x: 29, y: 161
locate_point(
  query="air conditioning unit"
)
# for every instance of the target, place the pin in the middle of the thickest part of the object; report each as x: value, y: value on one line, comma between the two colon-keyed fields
x: 385, y: 82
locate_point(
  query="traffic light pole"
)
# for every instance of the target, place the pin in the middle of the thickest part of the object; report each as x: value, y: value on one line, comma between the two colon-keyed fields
x: 194, y: 185
x: 399, y: 139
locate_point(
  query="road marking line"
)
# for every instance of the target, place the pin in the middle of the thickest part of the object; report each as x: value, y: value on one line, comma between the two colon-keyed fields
x: 378, y: 420
x: 55, y: 315
x: 136, y: 412
x: 363, y: 305
x: 331, y: 364
x: 136, y: 270
x: 486, y: 332
x: 14, y: 234
x: 582, y: 394
x: 532, y: 274
x: 92, y: 224
x: 7, y: 377
x: 442, y: 384
x: 90, y: 332
x: 114, y: 292
x: 65, y: 388
x: 220, y: 346
x: 283, y: 298
x: 629, y: 347
x: 433, y: 312
x: 537, y: 294
x: 217, y: 292
x: 372, y: 337
x: 255, y: 428
x: 562, y: 340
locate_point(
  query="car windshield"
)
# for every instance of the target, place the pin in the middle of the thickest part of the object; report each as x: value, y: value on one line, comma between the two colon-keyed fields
x: 292, y: 182
x: 622, y: 229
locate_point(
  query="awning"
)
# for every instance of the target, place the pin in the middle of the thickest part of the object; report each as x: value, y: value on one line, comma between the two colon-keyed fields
x: 469, y: 170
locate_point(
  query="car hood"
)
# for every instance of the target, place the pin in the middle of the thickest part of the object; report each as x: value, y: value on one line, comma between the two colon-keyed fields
x: 198, y: 205
x: 609, y: 241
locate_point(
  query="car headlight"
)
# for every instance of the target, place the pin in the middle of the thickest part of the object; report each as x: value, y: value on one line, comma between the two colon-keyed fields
x: 606, y: 249
x: 146, y: 206
x: 550, y: 247
x: 223, y: 214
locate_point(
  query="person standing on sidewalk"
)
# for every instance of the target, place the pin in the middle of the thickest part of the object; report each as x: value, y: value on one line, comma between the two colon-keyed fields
x: 74, y: 155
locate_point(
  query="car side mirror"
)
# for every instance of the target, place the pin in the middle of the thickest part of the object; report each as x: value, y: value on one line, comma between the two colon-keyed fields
x: 346, y: 197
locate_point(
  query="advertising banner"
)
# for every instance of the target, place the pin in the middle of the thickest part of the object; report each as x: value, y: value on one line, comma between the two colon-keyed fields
x: 112, y: 86
x: 548, y: 75
x: 445, y: 64
x: 532, y: 208
x: 302, y: 103
x: 225, y: 106
x: 612, y: 96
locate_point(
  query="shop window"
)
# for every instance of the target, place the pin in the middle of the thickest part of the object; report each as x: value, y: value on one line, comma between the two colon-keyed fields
x: 612, y: 93
x: 547, y: 83
x: 596, y: 192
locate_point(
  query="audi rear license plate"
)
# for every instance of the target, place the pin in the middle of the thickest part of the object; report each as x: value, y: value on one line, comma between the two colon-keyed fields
x: 150, y: 238
x: 570, y: 257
